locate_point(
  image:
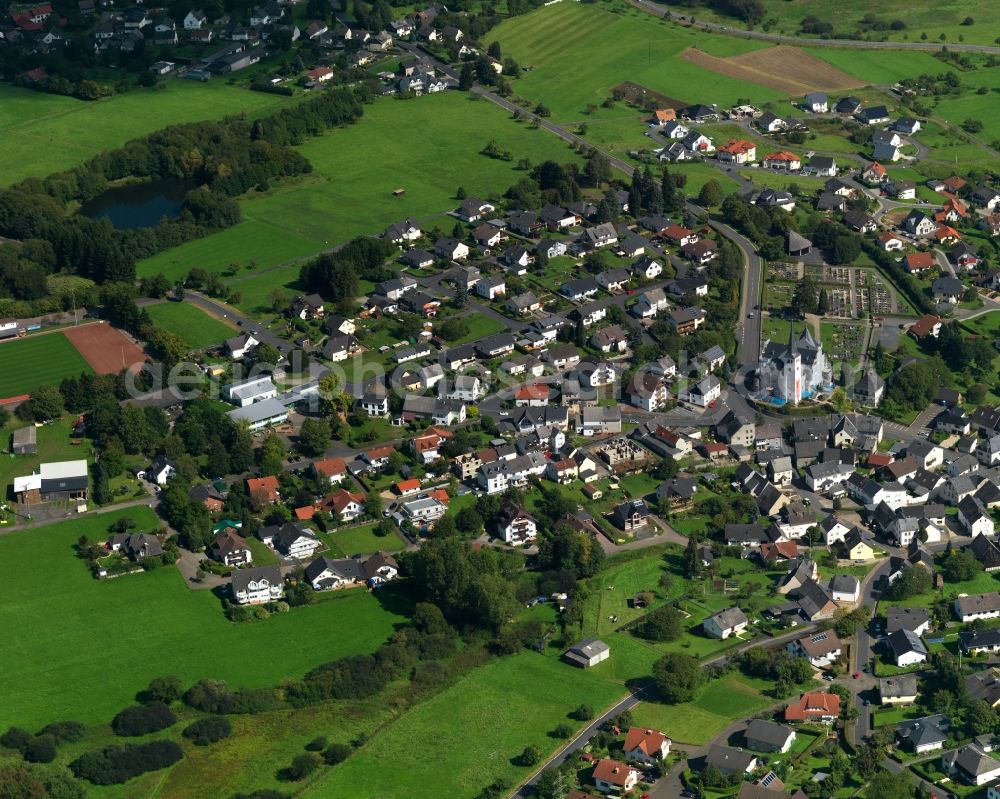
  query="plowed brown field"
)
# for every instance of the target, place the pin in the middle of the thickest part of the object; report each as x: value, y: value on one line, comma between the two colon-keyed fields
x: 784, y: 69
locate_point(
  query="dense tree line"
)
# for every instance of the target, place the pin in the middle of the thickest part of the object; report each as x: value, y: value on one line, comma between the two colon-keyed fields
x: 114, y: 765
x: 143, y: 719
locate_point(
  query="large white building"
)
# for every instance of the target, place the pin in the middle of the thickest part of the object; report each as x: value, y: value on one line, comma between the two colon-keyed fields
x: 795, y: 371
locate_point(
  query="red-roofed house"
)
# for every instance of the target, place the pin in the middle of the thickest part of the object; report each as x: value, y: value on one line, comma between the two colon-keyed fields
x: 646, y: 746
x: 917, y: 262
x: 440, y: 495
x: 427, y: 444
x: 305, y: 513
x: 946, y: 234
x: 263, y: 490
x: 533, y: 396
x: 320, y: 74
x: 953, y: 211
x: 406, y: 487
x: 738, y: 151
x: 779, y: 551
x: 954, y: 184
x: 927, y: 325
x: 614, y: 776
x: 873, y: 174
x: 814, y: 706
x: 333, y: 469
x: 890, y: 241
x: 377, y: 457
x: 345, y: 505
x: 661, y: 116
x: 680, y: 235
x: 783, y: 160
x: 714, y: 451
x: 879, y: 460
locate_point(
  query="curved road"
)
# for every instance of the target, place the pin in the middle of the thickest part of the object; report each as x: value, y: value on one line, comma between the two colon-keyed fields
x: 805, y: 41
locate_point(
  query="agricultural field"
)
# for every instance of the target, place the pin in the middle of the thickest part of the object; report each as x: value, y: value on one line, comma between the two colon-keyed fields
x: 788, y: 70
x: 576, y: 53
x: 471, y: 733
x: 198, y: 329
x: 67, y: 633
x: 428, y: 146
x: 70, y: 131
x: 41, y: 359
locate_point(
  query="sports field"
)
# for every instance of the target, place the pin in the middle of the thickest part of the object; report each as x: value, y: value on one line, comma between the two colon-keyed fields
x: 191, y: 323
x: 67, y: 132
x: 578, y: 52
x: 80, y: 648
x: 42, y: 359
x: 105, y: 348
x: 428, y: 146
x: 463, y: 739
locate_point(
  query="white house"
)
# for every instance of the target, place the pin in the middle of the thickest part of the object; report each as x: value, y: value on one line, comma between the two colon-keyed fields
x: 491, y: 287
x: 977, y: 606
x: 703, y: 392
x: 725, y: 623
x: 257, y: 586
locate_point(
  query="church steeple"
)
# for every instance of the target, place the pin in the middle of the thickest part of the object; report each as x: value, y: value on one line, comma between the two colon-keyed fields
x: 792, y: 344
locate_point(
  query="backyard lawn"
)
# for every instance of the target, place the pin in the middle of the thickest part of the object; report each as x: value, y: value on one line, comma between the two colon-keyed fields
x: 469, y: 735
x: 197, y: 328
x: 72, y: 653
x: 361, y: 541
x: 42, y: 359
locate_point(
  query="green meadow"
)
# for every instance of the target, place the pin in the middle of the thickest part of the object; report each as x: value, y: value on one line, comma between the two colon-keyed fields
x: 470, y: 734
x: 79, y: 648
x: 428, y: 146
x: 46, y: 133
x: 191, y: 323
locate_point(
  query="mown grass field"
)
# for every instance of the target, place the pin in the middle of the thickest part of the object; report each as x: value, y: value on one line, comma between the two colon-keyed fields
x: 468, y: 735
x: 429, y: 147
x: 577, y: 53
x: 715, y: 708
x: 70, y: 131
x: 361, y: 541
x: 27, y: 363
x: 197, y: 328
x: 80, y: 648
x: 922, y: 16
x: 880, y: 66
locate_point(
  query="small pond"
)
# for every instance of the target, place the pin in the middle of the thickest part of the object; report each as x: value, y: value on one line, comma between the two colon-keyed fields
x: 139, y: 204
